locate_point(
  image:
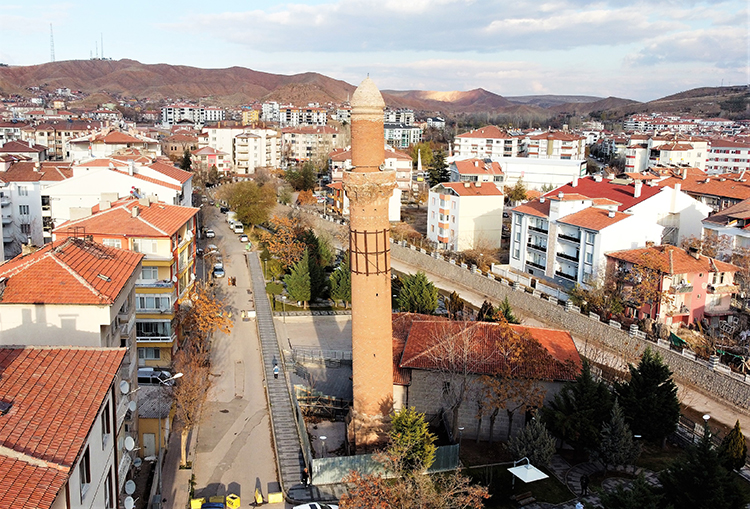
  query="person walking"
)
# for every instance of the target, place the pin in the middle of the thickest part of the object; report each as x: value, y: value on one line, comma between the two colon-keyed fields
x: 584, y: 485
x: 276, y: 371
x: 305, y: 478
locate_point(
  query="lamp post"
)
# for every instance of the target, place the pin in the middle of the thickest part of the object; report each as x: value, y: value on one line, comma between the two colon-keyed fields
x: 283, y: 307
x: 160, y: 456
x: 460, y: 436
x: 323, y: 445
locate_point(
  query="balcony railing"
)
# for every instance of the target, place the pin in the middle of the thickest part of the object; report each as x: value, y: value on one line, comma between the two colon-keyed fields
x: 681, y: 288
x: 537, y: 265
x: 156, y: 339
x: 569, y: 238
x: 723, y: 289
x: 571, y: 277
x: 568, y: 257
x: 535, y: 229
x: 543, y: 249
x: 154, y: 284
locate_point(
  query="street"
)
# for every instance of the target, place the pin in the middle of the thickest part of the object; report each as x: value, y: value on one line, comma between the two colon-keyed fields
x: 234, y: 451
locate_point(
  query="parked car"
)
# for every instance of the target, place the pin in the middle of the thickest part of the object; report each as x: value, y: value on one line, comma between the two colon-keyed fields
x: 219, y: 273
x: 316, y: 505
x: 154, y: 376
x: 199, y: 251
x: 243, y: 238
x: 238, y: 228
x: 212, y: 249
x: 210, y: 234
x: 218, y: 264
x: 223, y: 210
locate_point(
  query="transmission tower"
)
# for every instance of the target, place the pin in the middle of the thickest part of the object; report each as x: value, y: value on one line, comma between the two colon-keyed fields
x: 51, y: 43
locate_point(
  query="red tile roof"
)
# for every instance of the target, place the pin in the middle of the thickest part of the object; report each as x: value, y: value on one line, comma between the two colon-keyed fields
x: 489, y: 131
x: 310, y: 130
x: 22, y: 147
x: 171, y: 171
x: 593, y: 218
x: 26, y: 171
x: 547, y: 354
x: 208, y: 151
x: 69, y: 271
x: 485, y: 189
x: 623, y: 194
x: 534, y: 208
x: 56, y: 396
x: 153, y: 220
x: 117, y: 138
x: 557, y: 135
x: 697, y: 182
x: 672, y: 260
x: 478, y: 167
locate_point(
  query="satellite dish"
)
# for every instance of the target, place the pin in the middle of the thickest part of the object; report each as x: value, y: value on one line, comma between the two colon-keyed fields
x: 174, y: 279
x: 129, y: 503
x: 124, y: 387
x: 137, y: 462
x: 132, y: 406
x: 129, y: 443
x: 130, y: 487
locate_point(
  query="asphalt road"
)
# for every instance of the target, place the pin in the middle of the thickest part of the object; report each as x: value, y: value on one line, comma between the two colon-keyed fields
x: 234, y: 451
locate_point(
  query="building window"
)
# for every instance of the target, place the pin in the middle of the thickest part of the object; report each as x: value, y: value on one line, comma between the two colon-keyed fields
x: 108, y: 491
x: 518, y: 219
x: 152, y: 302
x: 149, y: 273
x: 589, y: 258
x: 84, y: 472
x: 23, y: 210
x: 106, y: 425
x: 148, y: 246
x: 25, y: 228
x: 149, y: 353
x: 589, y: 238
x: 23, y: 191
x: 112, y: 243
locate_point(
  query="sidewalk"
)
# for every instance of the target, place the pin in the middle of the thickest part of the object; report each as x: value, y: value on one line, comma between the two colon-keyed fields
x: 176, y: 482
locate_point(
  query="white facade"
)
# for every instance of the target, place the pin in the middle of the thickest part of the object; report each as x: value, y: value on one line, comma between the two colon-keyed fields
x: 679, y: 214
x: 465, y: 215
x: 256, y: 148
x: 399, y: 116
x: 174, y: 113
x: 487, y: 142
x: 402, y: 135
x: 105, y: 145
x: 22, y: 216
x: 215, y: 114
x: 536, y: 173
x: 271, y: 112
x: 728, y: 157
x: 557, y: 145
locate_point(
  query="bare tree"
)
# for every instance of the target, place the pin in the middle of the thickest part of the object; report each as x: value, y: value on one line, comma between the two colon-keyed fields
x: 189, y: 393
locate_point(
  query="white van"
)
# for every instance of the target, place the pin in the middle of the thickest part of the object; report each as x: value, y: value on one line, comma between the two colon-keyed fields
x: 238, y: 228
x: 154, y: 376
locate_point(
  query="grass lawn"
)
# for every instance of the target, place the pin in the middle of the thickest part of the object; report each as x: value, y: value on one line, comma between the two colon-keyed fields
x: 655, y: 458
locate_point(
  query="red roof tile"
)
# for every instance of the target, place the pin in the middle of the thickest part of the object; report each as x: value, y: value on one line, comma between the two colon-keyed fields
x: 70, y: 271
x: 27, y: 485
x: 547, y: 354
x: 534, y: 208
x: 478, y: 167
x: 623, y: 194
x: 22, y: 147
x: 485, y: 189
x: 489, y: 131
x: 171, y: 171
x: 697, y: 182
x: 56, y: 395
x: 593, y: 218
x: 672, y: 260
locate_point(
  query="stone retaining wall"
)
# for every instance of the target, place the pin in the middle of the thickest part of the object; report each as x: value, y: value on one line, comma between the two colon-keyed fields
x: 733, y: 388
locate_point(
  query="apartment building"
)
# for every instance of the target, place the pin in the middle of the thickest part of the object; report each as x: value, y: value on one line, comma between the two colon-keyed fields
x: 207, y: 157
x: 477, y: 170
x: 165, y: 235
x: 726, y: 156
x: 271, y: 112
x: 465, y: 215
x: 256, y: 148
x: 294, y: 116
x: 731, y: 222
x: 174, y: 146
x: 214, y: 114
x: 175, y: 113
x: 398, y: 116
x: 487, y: 142
x: 111, y: 142
x: 61, y: 439
x: 556, y: 145
x: 251, y: 116
x: 401, y: 135
x: 308, y: 143
x: 27, y: 150
x: 56, y: 136
x: 693, y: 286
x: 563, y: 237
x: 665, y: 149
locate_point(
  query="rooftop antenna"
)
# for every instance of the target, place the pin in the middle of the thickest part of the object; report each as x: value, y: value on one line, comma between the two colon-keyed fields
x: 96, y: 45
x: 51, y: 44
x: 101, y: 34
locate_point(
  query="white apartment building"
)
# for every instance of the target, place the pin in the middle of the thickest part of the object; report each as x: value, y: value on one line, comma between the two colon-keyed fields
x: 293, y: 116
x: 307, y: 143
x: 402, y: 135
x: 556, y: 145
x: 487, y: 142
x: 175, y: 113
x: 111, y: 142
x: 665, y: 149
x: 564, y: 237
x: 465, y: 215
x: 214, y: 114
x: 436, y: 122
x: 535, y: 173
x: 731, y: 222
x: 398, y: 116
x: 271, y: 112
x: 256, y: 148
x: 477, y: 170
x: 727, y: 156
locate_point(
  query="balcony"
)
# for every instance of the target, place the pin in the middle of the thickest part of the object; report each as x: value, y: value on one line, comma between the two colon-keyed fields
x: 569, y: 238
x: 681, y: 288
x: 126, y: 327
x: 537, y: 247
x: 188, y: 237
x: 565, y: 256
x: 723, y: 289
x: 539, y: 230
x: 569, y: 277
x: 156, y: 339
x: 154, y: 284
x: 7, y: 219
x: 4, y: 201
x: 537, y: 265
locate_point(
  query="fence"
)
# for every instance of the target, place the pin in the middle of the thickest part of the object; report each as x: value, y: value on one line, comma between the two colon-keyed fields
x: 331, y: 358
x: 333, y: 469
x: 302, y: 430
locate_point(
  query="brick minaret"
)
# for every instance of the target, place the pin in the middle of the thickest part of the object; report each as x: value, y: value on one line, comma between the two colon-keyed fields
x: 369, y: 188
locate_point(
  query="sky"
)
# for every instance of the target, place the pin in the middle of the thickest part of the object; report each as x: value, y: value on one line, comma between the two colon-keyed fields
x: 633, y: 49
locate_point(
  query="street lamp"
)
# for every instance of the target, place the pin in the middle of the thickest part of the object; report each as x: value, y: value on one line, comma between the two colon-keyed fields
x: 323, y: 446
x: 460, y: 435
x: 160, y: 458
x: 283, y: 307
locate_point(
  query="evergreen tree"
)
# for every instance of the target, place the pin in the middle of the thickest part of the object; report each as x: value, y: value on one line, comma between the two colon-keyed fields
x: 455, y: 306
x: 341, y: 282
x: 438, y: 171
x: 506, y: 311
x: 649, y: 399
x: 533, y: 442
x: 417, y: 294
x: 487, y: 312
x: 298, y: 281
x: 517, y: 193
x: 577, y: 412
x: 698, y: 479
x: 616, y: 446
x: 638, y: 495
x: 411, y: 438
x: 733, y: 449
x: 185, y: 163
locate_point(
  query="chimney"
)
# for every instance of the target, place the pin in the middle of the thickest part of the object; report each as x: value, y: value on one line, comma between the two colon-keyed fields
x: 467, y: 184
x: 31, y: 144
x: 575, y: 181
x: 684, y: 173
x: 478, y: 183
x: 145, y: 202
x: 597, y: 178
x: 560, y: 195
x: 694, y: 252
x: 677, y: 187
x: 637, y: 189
x: 611, y: 213
x: 37, y: 165
x: 476, y: 164
x: 134, y: 211
x: 541, y: 199
x: 131, y: 167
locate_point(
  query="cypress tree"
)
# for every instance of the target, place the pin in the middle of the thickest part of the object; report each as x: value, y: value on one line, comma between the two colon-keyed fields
x: 298, y: 281
x: 417, y: 294
x: 341, y: 282
x: 733, y: 449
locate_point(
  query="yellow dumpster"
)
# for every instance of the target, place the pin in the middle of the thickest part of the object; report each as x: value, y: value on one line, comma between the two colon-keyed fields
x: 196, y: 503
x: 275, y: 498
x: 216, y: 500
x: 233, y: 501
